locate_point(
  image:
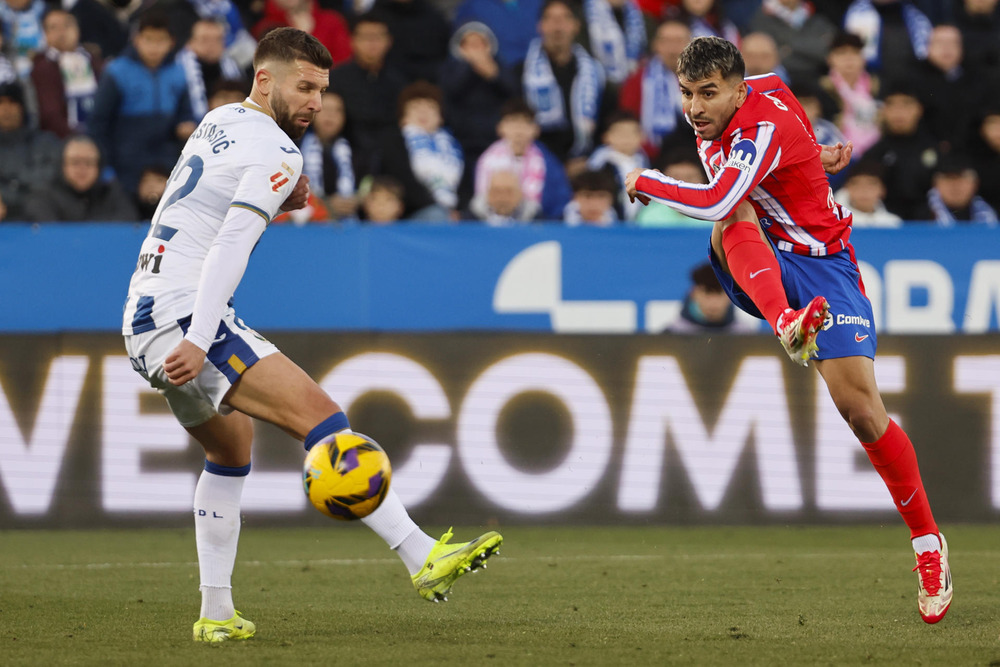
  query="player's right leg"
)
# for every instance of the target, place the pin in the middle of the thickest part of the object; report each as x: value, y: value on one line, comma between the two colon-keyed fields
x: 276, y: 390
x: 227, y: 441
x: 743, y: 252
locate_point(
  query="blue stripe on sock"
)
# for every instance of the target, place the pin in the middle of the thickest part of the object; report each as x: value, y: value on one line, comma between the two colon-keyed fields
x: 329, y: 426
x: 226, y: 471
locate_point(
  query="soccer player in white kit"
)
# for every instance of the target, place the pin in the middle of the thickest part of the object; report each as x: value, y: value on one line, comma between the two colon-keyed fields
x: 238, y: 169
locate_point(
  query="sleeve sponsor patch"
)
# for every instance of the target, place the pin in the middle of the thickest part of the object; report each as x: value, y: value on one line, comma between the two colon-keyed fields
x: 742, y: 155
x: 278, y: 179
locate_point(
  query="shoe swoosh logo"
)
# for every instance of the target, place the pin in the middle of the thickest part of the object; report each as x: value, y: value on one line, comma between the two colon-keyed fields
x: 859, y: 338
x: 754, y: 274
x: 907, y: 501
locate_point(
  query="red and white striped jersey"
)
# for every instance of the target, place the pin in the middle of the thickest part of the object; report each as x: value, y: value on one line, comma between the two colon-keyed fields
x: 768, y: 153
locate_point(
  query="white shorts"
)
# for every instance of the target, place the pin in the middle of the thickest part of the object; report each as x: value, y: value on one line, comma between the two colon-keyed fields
x: 236, y: 348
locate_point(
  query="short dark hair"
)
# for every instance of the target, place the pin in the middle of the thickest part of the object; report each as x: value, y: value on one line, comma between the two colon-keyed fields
x: 153, y: 19
x: 419, y: 90
x: 516, y: 106
x: 902, y: 86
x: 846, y: 39
x: 13, y: 91
x: 802, y: 89
x: 371, y: 16
x: 704, y: 276
x: 869, y: 167
x: 954, y: 164
x: 229, y: 86
x: 596, y: 180
x: 679, y: 155
x: 705, y: 56
x: 620, y: 116
x: 155, y: 169
x: 387, y: 183
x: 291, y: 44
x: 568, y: 4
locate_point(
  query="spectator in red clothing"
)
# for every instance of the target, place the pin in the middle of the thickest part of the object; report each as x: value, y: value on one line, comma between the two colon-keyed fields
x: 326, y: 25
x: 652, y: 94
x: 65, y: 77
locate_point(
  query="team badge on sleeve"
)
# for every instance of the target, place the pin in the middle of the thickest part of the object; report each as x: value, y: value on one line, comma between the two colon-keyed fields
x: 742, y: 155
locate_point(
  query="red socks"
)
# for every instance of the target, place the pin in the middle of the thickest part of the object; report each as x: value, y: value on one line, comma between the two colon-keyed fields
x: 894, y: 459
x: 755, y: 268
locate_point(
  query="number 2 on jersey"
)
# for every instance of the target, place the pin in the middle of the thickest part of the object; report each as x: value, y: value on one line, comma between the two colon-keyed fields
x: 197, y: 166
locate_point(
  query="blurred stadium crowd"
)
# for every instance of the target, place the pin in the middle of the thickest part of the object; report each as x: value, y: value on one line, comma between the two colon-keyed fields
x: 503, y: 111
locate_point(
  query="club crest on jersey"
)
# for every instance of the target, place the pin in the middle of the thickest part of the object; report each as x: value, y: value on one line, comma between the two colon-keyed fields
x: 742, y: 155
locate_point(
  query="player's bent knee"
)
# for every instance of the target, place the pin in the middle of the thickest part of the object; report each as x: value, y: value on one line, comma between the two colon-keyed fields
x: 335, y: 423
x: 865, y: 420
x: 743, y: 213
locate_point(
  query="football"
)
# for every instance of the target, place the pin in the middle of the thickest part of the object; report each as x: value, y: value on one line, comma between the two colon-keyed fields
x: 347, y: 476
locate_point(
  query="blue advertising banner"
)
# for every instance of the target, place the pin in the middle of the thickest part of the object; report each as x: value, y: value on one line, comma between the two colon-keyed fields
x: 74, y: 277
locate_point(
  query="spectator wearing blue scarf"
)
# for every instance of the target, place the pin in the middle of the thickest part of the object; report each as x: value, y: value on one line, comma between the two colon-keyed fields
x: 564, y: 85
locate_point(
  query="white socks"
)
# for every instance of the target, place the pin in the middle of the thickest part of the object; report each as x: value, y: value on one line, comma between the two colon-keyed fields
x: 928, y: 542
x: 217, y: 531
x: 391, y: 522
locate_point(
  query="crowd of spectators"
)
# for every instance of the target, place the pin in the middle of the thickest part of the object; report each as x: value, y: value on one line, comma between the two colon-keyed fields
x: 508, y: 112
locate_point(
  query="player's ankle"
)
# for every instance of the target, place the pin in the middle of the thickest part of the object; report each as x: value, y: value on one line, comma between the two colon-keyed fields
x: 928, y: 542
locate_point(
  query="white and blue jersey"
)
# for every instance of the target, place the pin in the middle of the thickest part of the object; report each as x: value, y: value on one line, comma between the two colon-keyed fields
x: 237, y: 158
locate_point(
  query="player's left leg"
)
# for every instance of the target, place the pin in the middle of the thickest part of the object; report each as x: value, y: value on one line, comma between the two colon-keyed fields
x: 851, y: 381
x: 276, y: 390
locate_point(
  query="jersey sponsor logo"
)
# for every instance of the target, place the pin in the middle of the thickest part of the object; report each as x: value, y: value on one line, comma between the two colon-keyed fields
x: 853, y: 319
x: 742, y: 155
x: 277, y: 180
x: 828, y: 322
x: 291, y: 151
x: 150, y: 259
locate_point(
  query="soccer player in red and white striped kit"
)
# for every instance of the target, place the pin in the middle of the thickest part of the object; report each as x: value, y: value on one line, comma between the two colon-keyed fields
x: 781, y: 249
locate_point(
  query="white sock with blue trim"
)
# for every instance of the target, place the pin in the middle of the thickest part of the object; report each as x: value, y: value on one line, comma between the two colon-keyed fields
x: 392, y: 523
x: 217, y: 532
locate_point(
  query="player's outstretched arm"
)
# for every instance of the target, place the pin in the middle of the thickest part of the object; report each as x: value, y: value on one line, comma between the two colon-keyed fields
x: 630, y: 189
x: 835, y: 158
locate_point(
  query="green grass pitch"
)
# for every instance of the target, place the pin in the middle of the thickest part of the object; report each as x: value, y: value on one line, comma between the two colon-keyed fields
x: 554, y: 596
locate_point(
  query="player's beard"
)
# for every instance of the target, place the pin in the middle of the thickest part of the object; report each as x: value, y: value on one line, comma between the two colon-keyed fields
x: 285, y: 119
